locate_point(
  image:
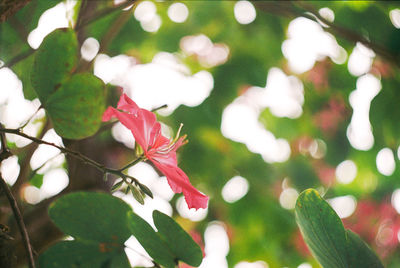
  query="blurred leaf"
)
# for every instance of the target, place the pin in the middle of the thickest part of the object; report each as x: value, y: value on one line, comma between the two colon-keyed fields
x: 150, y: 241
x: 76, y: 108
x: 360, y: 254
x: 384, y: 107
x: 301, y: 173
x: 322, y: 230
x: 180, y: 242
x: 54, y: 60
x: 92, y: 216
x: 81, y: 254
x: 37, y: 180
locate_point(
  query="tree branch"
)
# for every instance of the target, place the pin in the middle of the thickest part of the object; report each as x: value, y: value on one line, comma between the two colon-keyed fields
x: 81, y: 157
x: 302, y: 9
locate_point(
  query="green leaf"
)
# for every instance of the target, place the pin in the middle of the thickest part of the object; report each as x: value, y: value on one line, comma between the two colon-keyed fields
x: 116, y: 186
x: 54, y: 60
x: 23, y: 70
x: 37, y: 180
x: 322, y: 230
x: 360, y: 254
x: 146, y: 190
x: 180, y: 242
x: 78, y: 254
x: 120, y: 261
x: 150, y: 241
x: 76, y: 108
x: 136, y: 194
x: 92, y: 216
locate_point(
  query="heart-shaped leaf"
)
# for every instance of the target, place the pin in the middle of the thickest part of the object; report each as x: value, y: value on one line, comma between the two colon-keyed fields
x: 54, y: 60
x: 68, y: 254
x: 150, y: 241
x: 77, y: 106
x: 180, y: 242
x: 92, y: 216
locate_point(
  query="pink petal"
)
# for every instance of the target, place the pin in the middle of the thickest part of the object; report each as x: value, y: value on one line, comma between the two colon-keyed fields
x: 131, y: 122
x: 108, y: 114
x: 128, y: 105
x: 149, y: 121
x: 179, y: 182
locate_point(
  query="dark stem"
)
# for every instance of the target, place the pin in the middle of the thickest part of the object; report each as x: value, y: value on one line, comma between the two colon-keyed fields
x: 14, y: 205
x: 159, y: 107
x: 103, y: 13
x: 303, y: 9
x: 18, y: 58
x: 72, y: 153
x: 20, y: 222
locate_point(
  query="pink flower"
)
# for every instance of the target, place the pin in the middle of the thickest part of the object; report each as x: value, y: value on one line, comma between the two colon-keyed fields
x: 158, y: 149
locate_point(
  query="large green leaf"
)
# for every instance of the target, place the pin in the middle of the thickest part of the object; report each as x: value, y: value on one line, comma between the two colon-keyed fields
x: 92, y: 216
x: 360, y: 254
x: 82, y: 254
x: 330, y: 243
x: 150, y: 241
x: 322, y: 230
x: 77, y: 106
x: 54, y: 60
x: 180, y: 242
x: 23, y: 70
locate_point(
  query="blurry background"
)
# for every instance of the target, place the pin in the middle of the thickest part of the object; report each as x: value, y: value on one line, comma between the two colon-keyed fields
x: 275, y: 97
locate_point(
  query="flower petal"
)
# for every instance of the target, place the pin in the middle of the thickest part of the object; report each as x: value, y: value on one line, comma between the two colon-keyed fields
x: 131, y: 122
x: 128, y: 105
x: 179, y: 182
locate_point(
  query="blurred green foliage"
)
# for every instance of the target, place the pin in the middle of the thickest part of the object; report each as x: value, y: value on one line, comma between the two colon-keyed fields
x: 259, y: 228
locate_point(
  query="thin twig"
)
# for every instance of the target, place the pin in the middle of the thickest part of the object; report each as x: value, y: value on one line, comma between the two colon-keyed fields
x: 20, y: 222
x: 85, y: 23
x: 302, y: 9
x: 78, y: 155
x: 14, y: 206
x: 350, y: 35
x: 159, y: 108
x: 102, y: 13
x: 134, y: 162
x: 28, y: 153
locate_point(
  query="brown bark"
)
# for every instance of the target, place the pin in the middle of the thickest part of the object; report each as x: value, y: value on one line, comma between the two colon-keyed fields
x: 10, y: 7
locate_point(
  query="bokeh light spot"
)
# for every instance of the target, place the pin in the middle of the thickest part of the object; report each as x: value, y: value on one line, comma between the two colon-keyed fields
x: 235, y: 189
x: 90, y: 48
x: 145, y: 11
x: 244, y: 12
x: 178, y: 12
x: 344, y: 206
x: 346, y: 172
x: 288, y: 198
x: 385, y: 162
x: 394, y: 15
